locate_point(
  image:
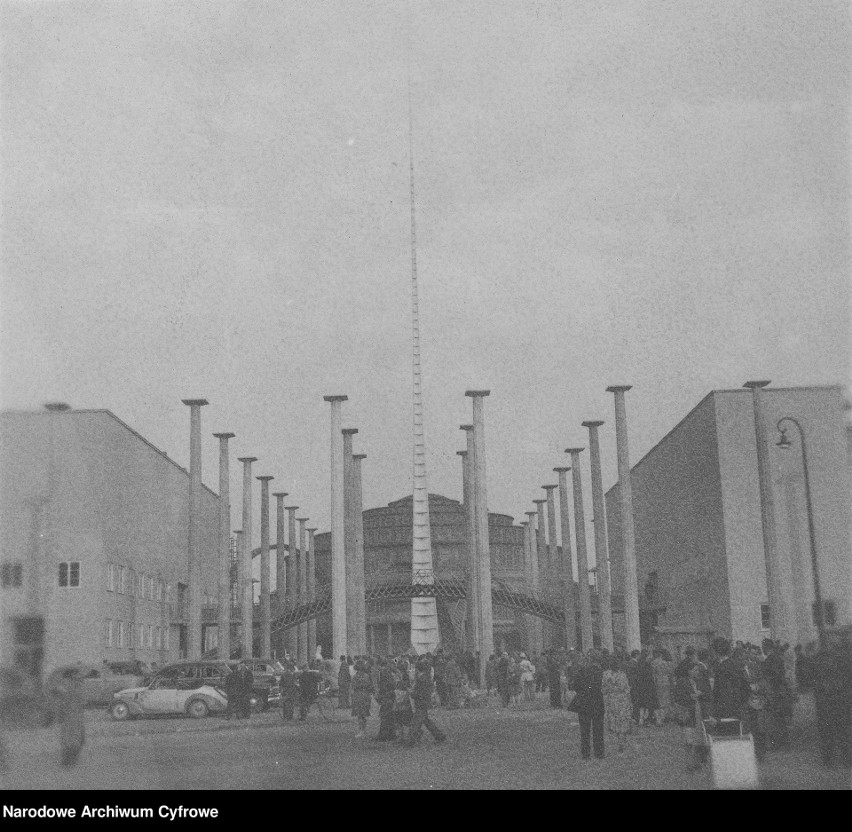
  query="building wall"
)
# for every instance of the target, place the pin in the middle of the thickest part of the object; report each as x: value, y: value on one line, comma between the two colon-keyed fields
x: 109, y: 498
x: 679, y: 528
x: 697, y: 514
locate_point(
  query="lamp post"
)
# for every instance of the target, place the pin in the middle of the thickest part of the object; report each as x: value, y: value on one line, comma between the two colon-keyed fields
x: 785, y: 443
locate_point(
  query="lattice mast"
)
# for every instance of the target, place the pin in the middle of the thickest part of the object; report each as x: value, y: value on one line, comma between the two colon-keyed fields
x: 424, y: 612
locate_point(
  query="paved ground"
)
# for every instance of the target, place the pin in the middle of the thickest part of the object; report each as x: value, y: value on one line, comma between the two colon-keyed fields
x: 526, y: 748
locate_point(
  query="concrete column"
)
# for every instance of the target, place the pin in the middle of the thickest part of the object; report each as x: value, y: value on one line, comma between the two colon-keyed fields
x: 467, y: 625
x: 224, y: 650
x: 265, y: 638
x: 779, y: 595
x: 358, y: 579
x: 338, y: 551
x: 304, y: 652
x: 281, y: 588
x: 349, y: 536
x: 482, y: 539
x: 194, y: 562
x: 628, y: 535
x: 582, y: 558
x: 312, y: 592
x: 540, y: 542
x: 474, y: 576
x: 534, y: 624
x: 293, y: 580
x: 566, y: 564
x: 247, y: 594
x: 240, y: 579
x: 553, y: 576
x: 601, y: 545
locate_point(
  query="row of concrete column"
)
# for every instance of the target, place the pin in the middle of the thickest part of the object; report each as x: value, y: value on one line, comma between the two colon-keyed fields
x: 541, y: 548
x: 295, y: 570
x: 349, y: 609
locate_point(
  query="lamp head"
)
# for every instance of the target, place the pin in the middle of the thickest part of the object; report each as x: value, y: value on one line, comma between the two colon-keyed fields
x: 784, y: 442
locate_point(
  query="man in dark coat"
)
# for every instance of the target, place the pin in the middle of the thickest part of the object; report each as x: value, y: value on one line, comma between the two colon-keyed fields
x: 779, y: 697
x: 309, y: 684
x: 344, y: 683
x: 422, y: 698
x: 233, y: 687
x: 832, y: 681
x: 439, y: 668
x: 589, y: 705
x: 246, y: 685
x: 502, y: 680
x: 289, y: 686
x: 731, y: 688
x: 453, y: 679
x: 385, y: 696
x: 555, y: 682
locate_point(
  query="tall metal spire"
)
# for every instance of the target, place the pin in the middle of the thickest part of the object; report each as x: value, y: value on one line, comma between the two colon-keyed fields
x: 424, y: 612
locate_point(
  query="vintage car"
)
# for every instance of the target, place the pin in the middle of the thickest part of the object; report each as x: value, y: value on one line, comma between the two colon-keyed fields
x: 100, y: 682
x: 169, y: 694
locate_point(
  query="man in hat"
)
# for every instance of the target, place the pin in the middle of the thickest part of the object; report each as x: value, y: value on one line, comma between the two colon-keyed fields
x: 422, y: 696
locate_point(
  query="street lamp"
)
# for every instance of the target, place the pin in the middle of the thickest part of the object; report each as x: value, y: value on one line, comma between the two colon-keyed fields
x: 785, y: 444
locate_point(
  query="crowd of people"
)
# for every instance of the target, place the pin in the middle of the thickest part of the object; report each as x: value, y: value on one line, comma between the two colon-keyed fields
x: 617, y: 692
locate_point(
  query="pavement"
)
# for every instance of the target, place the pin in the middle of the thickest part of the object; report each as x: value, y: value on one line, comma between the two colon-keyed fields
x: 525, y: 747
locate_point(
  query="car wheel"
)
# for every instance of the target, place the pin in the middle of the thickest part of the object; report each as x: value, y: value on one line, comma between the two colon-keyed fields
x: 197, y: 709
x: 119, y: 711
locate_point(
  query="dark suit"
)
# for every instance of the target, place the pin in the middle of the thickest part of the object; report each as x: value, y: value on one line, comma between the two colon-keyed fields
x: 589, y: 705
x: 731, y: 690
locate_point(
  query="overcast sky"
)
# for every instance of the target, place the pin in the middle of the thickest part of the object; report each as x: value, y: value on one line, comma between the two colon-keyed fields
x: 211, y: 199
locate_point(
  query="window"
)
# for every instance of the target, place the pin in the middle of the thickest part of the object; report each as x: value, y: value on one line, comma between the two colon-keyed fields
x: 69, y: 574
x: 122, y: 580
x: 131, y: 582
x: 158, y: 638
x: 110, y: 577
x: 160, y: 591
x: 149, y: 636
x: 108, y: 633
x: 151, y: 588
x: 166, y: 633
x: 141, y: 641
x: 764, y: 616
x: 121, y: 634
x: 11, y: 574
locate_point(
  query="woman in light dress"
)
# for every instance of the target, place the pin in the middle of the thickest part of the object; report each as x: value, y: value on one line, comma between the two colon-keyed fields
x: 618, y: 707
x: 528, y: 678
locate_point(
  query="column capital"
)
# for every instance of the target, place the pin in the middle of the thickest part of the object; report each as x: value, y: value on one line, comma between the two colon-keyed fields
x: 224, y: 435
x: 335, y: 398
x: 562, y: 469
x: 265, y: 478
x: 302, y: 519
x: 477, y: 393
x: 549, y: 487
x: 461, y: 453
x: 593, y: 424
x: 292, y: 508
x: 349, y: 431
x: 619, y: 388
x: 279, y: 495
x: 195, y: 402
x: 465, y: 427
x: 531, y: 513
x: 756, y: 384
x: 313, y: 530
x: 525, y: 522
x: 247, y: 459
x: 542, y: 500
x: 237, y: 531
x: 359, y: 456
x: 574, y: 451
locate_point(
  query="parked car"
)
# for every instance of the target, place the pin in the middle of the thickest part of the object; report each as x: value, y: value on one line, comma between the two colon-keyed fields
x: 169, y: 694
x: 100, y: 682
x: 265, y: 691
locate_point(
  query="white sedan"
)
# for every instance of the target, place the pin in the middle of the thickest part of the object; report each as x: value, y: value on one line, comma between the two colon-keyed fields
x: 168, y: 695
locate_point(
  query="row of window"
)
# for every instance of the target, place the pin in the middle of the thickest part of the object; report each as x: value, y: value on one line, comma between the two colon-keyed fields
x: 125, y: 581
x: 829, y: 614
x: 126, y: 634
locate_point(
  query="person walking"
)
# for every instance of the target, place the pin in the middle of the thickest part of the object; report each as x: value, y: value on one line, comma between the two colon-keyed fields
x: 402, y: 710
x: 453, y: 679
x: 528, y: 676
x: 588, y: 703
x: 422, y: 696
x: 232, y: 691
x: 362, y: 692
x: 662, y: 668
x: 344, y: 683
x: 67, y: 695
x: 502, y: 679
x: 289, y: 687
x: 309, y: 685
x: 385, y: 696
x: 756, y: 710
x: 779, y: 707
x: 554, y: 679
x: 617, y: 703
